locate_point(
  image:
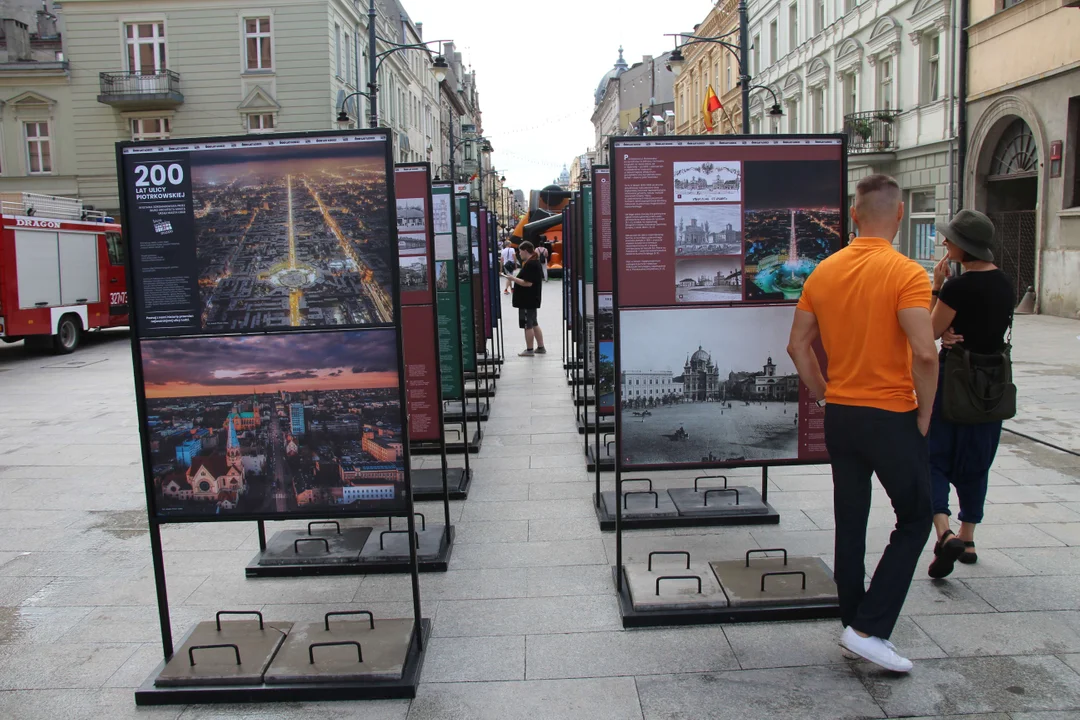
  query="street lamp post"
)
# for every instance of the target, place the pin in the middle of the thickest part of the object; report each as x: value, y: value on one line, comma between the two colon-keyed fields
x: 375, y: 59
x: 741, y: 51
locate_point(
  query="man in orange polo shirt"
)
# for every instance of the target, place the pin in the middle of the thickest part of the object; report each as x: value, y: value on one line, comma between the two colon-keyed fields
x: 870, y: 306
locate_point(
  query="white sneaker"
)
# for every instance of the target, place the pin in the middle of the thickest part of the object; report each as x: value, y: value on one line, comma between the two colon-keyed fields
x: 848, y: 655
x: 878, y: 651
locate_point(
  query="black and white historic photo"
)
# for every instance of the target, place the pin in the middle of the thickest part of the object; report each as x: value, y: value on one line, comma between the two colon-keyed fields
x: 442, y: 277
x: 412, y: 244
x: 793, y: 222
x: 411, y: 217
x: 414, y: 273
x: 708, y: 230
x: 707, y: 181
x: 707, y: 385
x: 708, y: 279
x: 605, y: 317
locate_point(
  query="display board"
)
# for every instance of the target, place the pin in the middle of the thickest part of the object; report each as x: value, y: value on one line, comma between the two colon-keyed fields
x: 412, y: 190
x: 605, y: 320
x: 268, y: 368
x: 479, y: 305
x: 464, y: 253
x: 713, y: 239
x: 485, y: 270
x: 446, y: 291
x: 588, y: 284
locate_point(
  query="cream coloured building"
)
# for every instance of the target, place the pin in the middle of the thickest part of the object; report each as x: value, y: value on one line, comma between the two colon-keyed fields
x: 1023, y: 158
x: 191, y: 68
x: 710, y: 64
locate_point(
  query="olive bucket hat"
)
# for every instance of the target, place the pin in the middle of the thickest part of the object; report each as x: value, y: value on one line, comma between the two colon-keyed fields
x: 972, y: 232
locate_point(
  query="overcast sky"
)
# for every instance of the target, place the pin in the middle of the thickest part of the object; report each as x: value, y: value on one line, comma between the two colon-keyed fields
x: 538, y: 65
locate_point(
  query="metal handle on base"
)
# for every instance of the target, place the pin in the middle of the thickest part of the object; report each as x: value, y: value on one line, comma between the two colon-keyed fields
x: 339, y: 613
x: 765, y: 550
x: 217, y: 617
x: 193, y: 648
x: 679, y: 553
x: 783, y: 572
x: 678, y: 577
x: 336, y: 643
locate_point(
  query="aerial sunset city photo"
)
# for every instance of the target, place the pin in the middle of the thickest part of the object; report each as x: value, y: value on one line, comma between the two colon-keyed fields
x: 293, y: 237
x: 274, y: 423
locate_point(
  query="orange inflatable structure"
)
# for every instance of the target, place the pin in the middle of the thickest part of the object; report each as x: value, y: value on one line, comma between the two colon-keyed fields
x: 543, y: 223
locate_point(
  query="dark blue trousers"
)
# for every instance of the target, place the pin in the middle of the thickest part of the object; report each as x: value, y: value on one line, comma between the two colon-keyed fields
x: 960, y: 456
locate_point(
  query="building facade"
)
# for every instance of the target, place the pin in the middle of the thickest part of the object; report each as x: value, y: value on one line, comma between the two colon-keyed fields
x: 649, y: 385
x: 129, y: 70
x: 882, y: 73
x: 710, y: 64
x: 633, y: 100
x: 1022, y: 165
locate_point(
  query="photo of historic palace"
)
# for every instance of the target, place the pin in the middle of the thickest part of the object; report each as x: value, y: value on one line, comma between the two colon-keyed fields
x: 412, y: 244
x: 414, y: 273
x: 793, y: 221
x: 268, y: 424
x: 704, y: 385
x: 292, y: 236
x: 411, y: 216
x: 707, y: 181
x: 708, y: 230
x: 708, y: 279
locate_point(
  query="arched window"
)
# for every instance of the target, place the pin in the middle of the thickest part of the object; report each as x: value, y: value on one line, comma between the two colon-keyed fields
x: 1016, y: 154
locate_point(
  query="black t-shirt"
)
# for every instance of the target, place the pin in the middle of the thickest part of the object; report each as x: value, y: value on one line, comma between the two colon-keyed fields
x: 529, y: 297
x: 983, y: 301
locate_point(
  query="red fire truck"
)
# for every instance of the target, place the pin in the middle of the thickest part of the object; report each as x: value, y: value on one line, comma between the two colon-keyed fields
x: 61, y: 271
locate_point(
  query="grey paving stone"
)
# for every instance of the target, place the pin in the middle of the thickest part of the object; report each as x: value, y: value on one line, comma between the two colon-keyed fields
x: 479, y: 618
x: 493, y: 531
x: 1041, y: 592
x: 1041, y: 513
x: 562, y: 490
x: 115, y: 704
x: 452, y: 585
x: 555, y: 530
x: 129, y: 624
x: 1072, y: 660
x: 57, y: 665
x: 530, y: 554
x: 570, y: 580
x: 992, y: 563
x: 636, y: 652
x: 1068, y: 533
x: 942, y: 597
x: 14, y: 591
x: 484, y: 492
x: 236, y: 590
x: 370, y: 709
x: 792, y: 644
x: 137, y: 668
x: 528, y: 510
x: 1009, y: 633
x: 596, y: 699
x: 1048, y: 715
x: 81, y: 564
x: 830, y: 691
x: 975, y: 685
x: 22, y: 625
x: 474, y: 659
x: 1013, y: 536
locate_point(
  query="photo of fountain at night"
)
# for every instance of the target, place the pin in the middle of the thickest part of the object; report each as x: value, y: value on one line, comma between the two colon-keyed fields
x: 791, y: 222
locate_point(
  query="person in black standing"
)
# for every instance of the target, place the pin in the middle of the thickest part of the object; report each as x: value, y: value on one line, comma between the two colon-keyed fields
x: 528, y: 286
x: 974, y: 309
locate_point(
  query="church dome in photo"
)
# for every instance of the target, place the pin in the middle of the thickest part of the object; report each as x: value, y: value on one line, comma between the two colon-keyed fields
x: 701, y: 356
x: 619, y: 68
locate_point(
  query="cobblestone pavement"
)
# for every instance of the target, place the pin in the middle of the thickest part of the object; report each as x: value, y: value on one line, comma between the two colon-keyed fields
x: 525, y: 623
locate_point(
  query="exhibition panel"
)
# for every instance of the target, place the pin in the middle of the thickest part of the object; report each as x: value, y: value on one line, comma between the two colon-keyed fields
x: 266, y: 284
x: 712, y: 239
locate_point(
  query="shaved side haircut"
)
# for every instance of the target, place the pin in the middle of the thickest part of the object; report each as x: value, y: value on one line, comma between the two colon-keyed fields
x: 877, y: 196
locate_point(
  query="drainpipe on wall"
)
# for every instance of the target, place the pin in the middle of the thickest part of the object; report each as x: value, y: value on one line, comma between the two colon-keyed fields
x: 952, y: 107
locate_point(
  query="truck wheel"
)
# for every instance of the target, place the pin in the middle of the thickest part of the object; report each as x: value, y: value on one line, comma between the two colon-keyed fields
x: 68, y: 335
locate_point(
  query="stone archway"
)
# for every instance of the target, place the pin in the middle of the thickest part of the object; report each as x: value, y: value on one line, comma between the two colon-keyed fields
x: 1004, y: 180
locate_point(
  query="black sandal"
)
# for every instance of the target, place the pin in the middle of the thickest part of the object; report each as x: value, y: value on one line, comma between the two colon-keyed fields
x: 946, y: 552
x: 968, y: 557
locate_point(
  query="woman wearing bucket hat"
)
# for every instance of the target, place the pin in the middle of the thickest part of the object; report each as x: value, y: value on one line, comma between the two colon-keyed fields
x: 973, y: 309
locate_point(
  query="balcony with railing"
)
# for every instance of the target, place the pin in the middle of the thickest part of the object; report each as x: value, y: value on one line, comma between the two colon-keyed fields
x: 871, y: 133
x: 141, y: 91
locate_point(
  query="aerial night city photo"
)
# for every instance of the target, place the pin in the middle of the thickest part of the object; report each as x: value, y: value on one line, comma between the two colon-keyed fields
x: 275, y: 424
x: 792, y: 221
x: 293, y: 236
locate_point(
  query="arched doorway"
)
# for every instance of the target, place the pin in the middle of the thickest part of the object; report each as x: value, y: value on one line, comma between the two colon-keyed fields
x: 1012, y: 193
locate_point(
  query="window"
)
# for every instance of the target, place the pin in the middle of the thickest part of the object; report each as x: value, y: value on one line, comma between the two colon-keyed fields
x: 337, y: 49
x: 774, y: 41
x: 38, y: 148
x: 850, y: 5
x: 1072, y: 154
x: 150, y: 128
x: 817, y: 96
x: 348, y: 61
x: 261, y: 123
x: 922, y: 233
x: 258, y: 43
x: 793, y: 116
x: 851, y: 98
x: 1006, y: 4
x: 729, y: 83
x: 819, y: 16
x: 793, y: 26
x: 114, y: 244
x: 884, y: 83
x: 145, y: 48
x: 757, y: 54
x: 931, y: 60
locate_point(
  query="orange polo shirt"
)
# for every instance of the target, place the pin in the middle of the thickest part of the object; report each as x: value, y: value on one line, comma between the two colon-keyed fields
x: 855, y: 295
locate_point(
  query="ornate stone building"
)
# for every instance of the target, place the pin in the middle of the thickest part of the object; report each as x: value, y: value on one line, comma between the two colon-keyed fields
x: 701, y: 379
